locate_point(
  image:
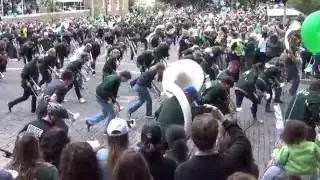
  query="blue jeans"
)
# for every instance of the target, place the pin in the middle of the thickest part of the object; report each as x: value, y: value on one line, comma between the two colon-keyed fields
x: 271, y: 173
x: 106, y: 112
x: 143, y: 96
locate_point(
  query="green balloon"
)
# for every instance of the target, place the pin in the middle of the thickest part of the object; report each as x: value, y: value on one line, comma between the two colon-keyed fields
x: 310, y: 32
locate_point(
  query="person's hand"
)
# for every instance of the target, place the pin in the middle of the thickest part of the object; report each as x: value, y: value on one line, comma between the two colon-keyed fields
x: 217, y: 114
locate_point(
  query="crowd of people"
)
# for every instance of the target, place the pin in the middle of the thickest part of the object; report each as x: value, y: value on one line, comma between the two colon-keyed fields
x: 237, y: 50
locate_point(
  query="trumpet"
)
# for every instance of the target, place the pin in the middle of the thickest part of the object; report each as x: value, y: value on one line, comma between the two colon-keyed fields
x: 56, y: 74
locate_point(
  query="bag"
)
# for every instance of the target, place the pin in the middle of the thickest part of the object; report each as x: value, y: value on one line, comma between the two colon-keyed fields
x: 308, y: 68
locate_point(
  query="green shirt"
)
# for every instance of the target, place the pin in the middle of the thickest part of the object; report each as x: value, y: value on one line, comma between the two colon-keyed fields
x: 247, y: 81
x: 302, y: 158
x: 170, y: 113
x: 213, y: 93
x: 305, y: 106
x: 109, y: 86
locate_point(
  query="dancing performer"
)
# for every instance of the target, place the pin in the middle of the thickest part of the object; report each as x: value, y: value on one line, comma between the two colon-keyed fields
x: 106, y: 94
x: 29, y: 76
x: 245, y: 87
x: 141, y: 86
x: 46, y: 65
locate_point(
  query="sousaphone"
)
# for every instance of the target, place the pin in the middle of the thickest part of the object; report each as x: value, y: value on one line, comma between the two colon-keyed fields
x: 177, y: 76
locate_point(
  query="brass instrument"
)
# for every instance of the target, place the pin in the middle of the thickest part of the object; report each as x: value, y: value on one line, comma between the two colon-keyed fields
x: 176, y: 78
x: 290, y: 40
x: 132, y: 46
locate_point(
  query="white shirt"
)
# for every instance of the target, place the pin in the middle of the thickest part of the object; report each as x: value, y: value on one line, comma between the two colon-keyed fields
x: 262, y: 45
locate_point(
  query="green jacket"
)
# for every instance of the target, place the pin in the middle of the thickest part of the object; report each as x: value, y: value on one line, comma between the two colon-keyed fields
x: 302, y: 158
x: 305, y: 106
x: 170, y: 112
x: 247, y: 81
x: 108, y: 88
x: 271, y: 75
x: 213, y: 93
x: 30, y: 70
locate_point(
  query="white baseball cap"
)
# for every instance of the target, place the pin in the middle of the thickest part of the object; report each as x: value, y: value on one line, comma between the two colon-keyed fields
x: 118, y: 127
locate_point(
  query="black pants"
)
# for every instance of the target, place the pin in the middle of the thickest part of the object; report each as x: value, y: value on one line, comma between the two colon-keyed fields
x: 76, y: 88
x: 27, y: 92
x: 252, y: 97
x: 264, y: 87
x: 93, y: 63
x: 46, y: 78
x: 61, y: 61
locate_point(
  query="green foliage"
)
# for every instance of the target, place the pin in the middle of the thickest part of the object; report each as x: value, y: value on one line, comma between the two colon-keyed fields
x: 305, y: 6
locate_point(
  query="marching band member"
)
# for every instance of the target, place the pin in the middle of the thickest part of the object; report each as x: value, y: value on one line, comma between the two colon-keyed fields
x: 46, y: 65
x: 216, y: 93
x: 29, y: 76
x: 269, y: 79
x: 55, y: 117
x: 170, y: 111
x: 233, y: 70
x: 111, y: 64
x: 46, y: 42
x: 56, y: 91
x: 75, y: 67
x: 62, y: 50
x: 106, y: 94
x: 245, y: 87
x: 305, y: 106
x: 27, y: 51
x: 141, y: 85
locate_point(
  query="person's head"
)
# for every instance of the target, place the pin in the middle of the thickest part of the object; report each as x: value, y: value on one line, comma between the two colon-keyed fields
x: 131, y: 166
x: 192, y: 94
x: 115, y: 53
x: 204, y: 131
x: 88, y: 48
x: 177, y: 142
x: 258, y: 67
x: 52, y: 143
x: 67, y: 77
x: 197, y: 55
x: 52, y: 52
x: 118, y: 140
x: 26, y: 154
x: 125, y: 76
x: 56, y: 113
x: 233, y: 66
x: 315, y: 86
x: 241, y: 176
x: 151, y: 141
x: 78, y: 161
x: 294, y: 132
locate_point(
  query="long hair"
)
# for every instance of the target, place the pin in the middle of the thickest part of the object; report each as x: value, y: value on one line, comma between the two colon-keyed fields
x: 78, y: 161
x: 52, y: 143
x: 131, y: 166
x: 26, y: 155
x: 117, y: 145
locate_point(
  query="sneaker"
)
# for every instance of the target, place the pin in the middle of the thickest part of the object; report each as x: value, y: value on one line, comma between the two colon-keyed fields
x: 65, y: 100
x: 259, y: 121
x: 81, y: 100
x: 1, y: 76
x: 88, y: 125
x: 131, y: 123
x: 238, y: 109
x: 149, y: 117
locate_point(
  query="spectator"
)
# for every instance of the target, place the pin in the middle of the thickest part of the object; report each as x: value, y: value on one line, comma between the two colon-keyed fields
x: 131, y: 166
x: 297, y: 156
x: 177, y: 142
x: 241, y: 176
x: 52, y: 143
x: 151, y: 146
x: 206, y: 163
x: 27, y: 162
x: 78, y: 161
x: 118, y: 142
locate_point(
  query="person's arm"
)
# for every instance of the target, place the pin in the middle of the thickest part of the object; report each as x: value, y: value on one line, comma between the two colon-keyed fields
x: 240, y: 146
x: 281, y: 155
